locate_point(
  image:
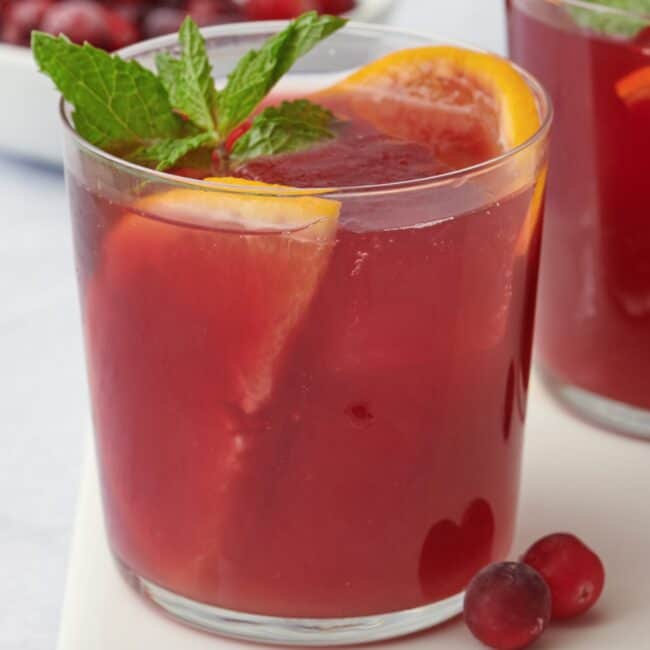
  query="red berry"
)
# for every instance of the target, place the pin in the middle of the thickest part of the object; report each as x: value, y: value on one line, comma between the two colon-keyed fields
x: 120, y: 31
x: 204, y: 12
x: 278, y: 9
x: 162, y: 20
x: 573, y: 572
x: 21, y: 18
x: 79, y: 20
x: 507, y: 606
x: 237, y: 133
x: 336, y: 7
x: 209, y: 12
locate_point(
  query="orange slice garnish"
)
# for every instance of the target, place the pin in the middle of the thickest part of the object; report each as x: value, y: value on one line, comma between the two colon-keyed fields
x: 276, y: 208
x: 189, y: 324
x: 248, y: 286
x: 466, y: 105
x: 635, y: 87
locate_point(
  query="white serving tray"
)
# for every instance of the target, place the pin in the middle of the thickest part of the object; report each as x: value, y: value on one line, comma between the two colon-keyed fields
x: 29, y: 116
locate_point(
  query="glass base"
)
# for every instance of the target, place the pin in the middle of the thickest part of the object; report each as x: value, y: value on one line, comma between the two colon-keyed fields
x: 295, y: 631
x: 605, y: 412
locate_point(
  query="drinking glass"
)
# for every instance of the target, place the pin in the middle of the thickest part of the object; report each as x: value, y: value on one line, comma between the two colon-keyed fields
x: 593, y: 330
x: 308, y: 435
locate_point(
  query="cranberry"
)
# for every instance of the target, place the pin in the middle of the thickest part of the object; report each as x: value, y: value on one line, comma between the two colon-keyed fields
x: 120, y: 31
x: 79, y: 20
x: 573, y: 572
x: 21, y: 18
x: 207, y: 12
x: 278, y: 9
x: 336, y: 7
x: 131, y: 10
x: 162, y: 20
x: 507, y: 605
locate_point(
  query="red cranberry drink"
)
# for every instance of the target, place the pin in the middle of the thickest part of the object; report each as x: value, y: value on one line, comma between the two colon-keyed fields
x: 594, y: 326
x: 309, y: 402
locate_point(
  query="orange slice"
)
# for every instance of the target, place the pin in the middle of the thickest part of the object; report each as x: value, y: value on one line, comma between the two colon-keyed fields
x: 274, y: 208
x: 635, y: 87
x: 467, y: 105
x: 237, y: 287
x: 188, y: 328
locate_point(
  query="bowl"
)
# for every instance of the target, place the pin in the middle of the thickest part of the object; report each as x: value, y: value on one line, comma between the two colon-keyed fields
x: 29, y: 118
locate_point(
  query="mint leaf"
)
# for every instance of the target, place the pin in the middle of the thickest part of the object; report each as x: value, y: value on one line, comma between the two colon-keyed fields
x: 292, y: 126
x: 604, y: 17
x: 259, y: 70
x: 127, y: 110
x: 166, y: 153
x: 118, y: 105
x: 188, y: 80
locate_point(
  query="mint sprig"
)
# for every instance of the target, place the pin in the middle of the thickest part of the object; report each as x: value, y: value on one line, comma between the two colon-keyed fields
x: 156, y: 120
x: 259, y: 70
x: 188, y: 80
x: 117, y: 104
x: 612, y: 23
x: 291, y: 126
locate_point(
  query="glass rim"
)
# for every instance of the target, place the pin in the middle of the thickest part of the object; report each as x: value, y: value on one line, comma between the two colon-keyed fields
x: 337, y: 192
x: 600, y: 7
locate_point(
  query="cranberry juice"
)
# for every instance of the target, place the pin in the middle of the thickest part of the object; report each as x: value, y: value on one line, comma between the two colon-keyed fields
x: 305, y: 428
x: 594, y: 320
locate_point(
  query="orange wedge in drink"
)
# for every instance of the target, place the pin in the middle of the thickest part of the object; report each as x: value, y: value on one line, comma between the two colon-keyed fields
x: 269, y: 251
x: 201, y: 291
x: 467, y: 106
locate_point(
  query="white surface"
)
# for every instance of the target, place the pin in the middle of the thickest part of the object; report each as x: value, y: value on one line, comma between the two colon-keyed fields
x: 577, y: 478
x: 29, y: 117
x: 42, y: 403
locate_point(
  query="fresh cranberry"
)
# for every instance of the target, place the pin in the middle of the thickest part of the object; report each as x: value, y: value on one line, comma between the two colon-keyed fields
x: 131, y: 10
x: 121, y: 31
x: 507, y: 606
x: 573, y: 572
x: 208, y: 12
x: 162, y: 20
x: 21, y: 18
x: 79, y: 20
x: 237, y: 133
x: 336, y: 7
x: 278, y: 9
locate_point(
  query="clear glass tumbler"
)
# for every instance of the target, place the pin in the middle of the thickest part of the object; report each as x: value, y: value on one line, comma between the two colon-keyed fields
x: 593, y: 332
x: 308, y: 433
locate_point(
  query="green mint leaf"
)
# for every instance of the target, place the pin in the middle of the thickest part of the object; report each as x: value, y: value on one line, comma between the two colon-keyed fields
x: 166, y: 153
x: 118, y: 105
x: 188, y: 80
x: 613, y: 23
x: 292, y: 126
x: 259, y: 70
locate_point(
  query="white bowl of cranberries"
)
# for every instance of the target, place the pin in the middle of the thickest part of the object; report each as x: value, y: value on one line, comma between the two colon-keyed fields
x: 28, y: 116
